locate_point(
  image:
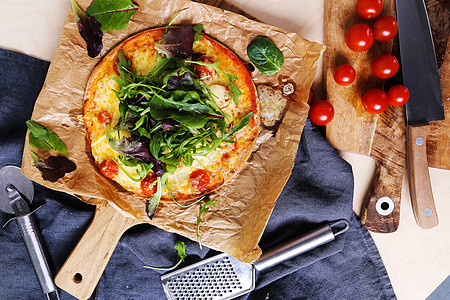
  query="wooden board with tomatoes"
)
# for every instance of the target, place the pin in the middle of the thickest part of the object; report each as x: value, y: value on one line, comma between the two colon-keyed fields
x: 369, y: 113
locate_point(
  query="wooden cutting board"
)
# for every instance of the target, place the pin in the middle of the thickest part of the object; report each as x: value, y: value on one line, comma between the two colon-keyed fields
x: 382, y: 137
x: 85, y: 265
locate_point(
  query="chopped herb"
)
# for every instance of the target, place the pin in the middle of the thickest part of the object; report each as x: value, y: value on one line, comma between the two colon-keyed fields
x: 153, y: 202
x: 203, y: 208
x: 181, y: 253
x: 198, y: 32
x: 234, y: 90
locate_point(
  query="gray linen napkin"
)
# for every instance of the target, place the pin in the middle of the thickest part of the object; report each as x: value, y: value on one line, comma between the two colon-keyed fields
x: 319, y: 191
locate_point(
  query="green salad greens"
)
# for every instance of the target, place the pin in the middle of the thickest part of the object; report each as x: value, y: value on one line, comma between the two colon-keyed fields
x: 170, y: 114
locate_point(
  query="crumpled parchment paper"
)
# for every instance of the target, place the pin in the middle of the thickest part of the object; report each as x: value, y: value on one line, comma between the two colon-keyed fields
x: 235, y: 223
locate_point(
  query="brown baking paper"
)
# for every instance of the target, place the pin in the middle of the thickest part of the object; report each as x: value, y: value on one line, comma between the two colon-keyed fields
x: 235, y: 223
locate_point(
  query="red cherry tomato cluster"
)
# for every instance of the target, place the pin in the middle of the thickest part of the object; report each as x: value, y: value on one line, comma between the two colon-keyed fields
x: 375, y: 101
x: 360, y: 37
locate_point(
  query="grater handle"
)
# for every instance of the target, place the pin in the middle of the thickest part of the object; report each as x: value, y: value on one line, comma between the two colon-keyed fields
x: 300, y: 245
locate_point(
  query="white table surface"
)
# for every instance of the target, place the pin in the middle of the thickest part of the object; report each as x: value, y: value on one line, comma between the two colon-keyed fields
x: 416, y: 259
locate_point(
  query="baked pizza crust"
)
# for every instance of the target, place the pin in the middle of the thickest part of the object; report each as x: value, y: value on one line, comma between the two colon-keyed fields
x: 207, y: 173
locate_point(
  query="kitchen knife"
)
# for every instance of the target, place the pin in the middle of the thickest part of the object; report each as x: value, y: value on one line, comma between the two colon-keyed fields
x: 421, y: 77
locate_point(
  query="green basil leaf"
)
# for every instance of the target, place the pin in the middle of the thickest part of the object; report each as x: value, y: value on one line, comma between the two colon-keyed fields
x: 43, y: 138
x: 265, y: 55
x: 112, y: 14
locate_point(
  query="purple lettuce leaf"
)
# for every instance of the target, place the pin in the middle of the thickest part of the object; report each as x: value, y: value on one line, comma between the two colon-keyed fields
x: 137, y: 147
x: 55, y: 167
x: 89, y: 29
x: 184, y: 82
x: 177, y: 42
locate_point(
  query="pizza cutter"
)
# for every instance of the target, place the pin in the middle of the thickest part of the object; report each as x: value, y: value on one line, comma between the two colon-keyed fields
x: 224, y: 277
x: 16, y: 193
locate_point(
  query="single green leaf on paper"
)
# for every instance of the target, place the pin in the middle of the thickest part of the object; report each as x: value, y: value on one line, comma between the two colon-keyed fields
x: 43, y: 138
x: 265, y: 55
x: 112, y: 14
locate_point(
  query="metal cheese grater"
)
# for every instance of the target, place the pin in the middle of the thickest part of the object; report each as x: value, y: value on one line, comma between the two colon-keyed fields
x: 224, y: 277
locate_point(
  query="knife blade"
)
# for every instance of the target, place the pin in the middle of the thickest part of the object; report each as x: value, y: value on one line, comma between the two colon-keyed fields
x: 421, y: 77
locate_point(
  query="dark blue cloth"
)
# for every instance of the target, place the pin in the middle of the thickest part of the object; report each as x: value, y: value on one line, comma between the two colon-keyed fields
x: 320, y: 190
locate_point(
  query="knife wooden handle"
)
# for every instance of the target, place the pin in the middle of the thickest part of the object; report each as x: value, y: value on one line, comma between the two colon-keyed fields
x: 419, y: 177
x: 85, y: 265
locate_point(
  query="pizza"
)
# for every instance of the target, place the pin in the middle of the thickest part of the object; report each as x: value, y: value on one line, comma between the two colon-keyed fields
x: 168, y: 120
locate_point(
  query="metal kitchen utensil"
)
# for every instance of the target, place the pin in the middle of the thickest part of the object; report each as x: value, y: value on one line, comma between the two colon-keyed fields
x: 421, y: 77
x: 16, y: 193
x: 224, y: 277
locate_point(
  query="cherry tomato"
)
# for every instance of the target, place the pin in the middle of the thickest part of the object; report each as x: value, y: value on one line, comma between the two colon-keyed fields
x: 375, y: 101
x: 384, y: 28
x: 398, y: 95
x: 311, y: 97
x: 321, y: 112
x: 344, y: 75
x: 385, y: 66
x: 359, y: 37
x: 369, y: 9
